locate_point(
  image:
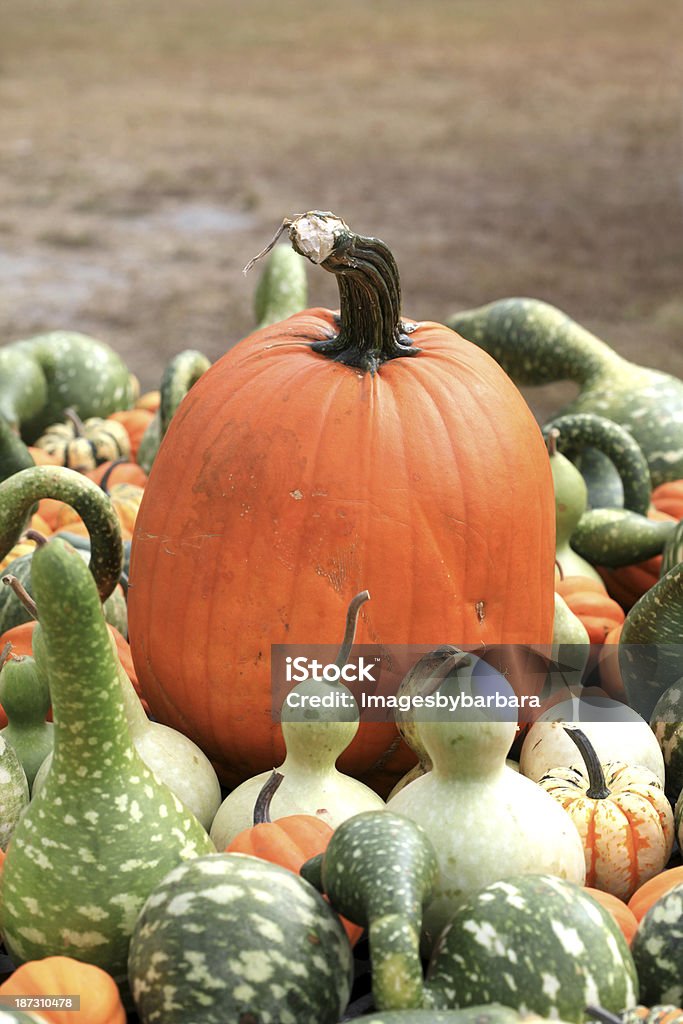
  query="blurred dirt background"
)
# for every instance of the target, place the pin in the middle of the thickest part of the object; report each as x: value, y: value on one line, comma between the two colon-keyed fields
x: 150, y: 148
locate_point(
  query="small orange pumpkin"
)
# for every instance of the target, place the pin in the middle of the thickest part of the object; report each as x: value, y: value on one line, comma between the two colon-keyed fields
x: 149, y: 400
x: 589, y: 601
x: 136, y: 422
x: 668, y: 497
x: 653, y: 890
x: 623, y: 817
x: 288, y: 841
x: 100, y: 1001
x: 620, y: 911
x: 118, y: 471
x: 41, y: 457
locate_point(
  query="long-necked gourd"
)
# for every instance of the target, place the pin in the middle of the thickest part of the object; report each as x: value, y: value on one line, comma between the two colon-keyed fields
x: 379, y: 870
x: 25, y: 699
x: 282, y: 287
x: 536, y: 343
x: 315, y: 737
x: 571, y: 499
x: 484, y: 819
x: 173, y: 757
x: 44, y: 375
x: 103, y: 831
x: 180, y: 374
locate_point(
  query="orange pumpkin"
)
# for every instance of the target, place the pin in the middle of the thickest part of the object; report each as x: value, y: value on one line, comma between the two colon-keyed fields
x: 627, y: 584
x: 136, y: 422
x: 620, y: 911
x: 120, y: 471
x: 651, y: 891
x: 149, y: 400
x: 668, y: 497
x: 589, y: 601
x: 609, y: 672
x: 319, y: 456
x: 288, y: 841
x: 100, y: 1002
x: 41, y: 457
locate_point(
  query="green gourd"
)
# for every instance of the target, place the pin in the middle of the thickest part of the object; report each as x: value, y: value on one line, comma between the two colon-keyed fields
x: 571, y: 497
x: 232, y: 939
x: 282, y: 287
x: 484, y: 820
x: 22, y: 490
x: 615, y: 537
x: 14, y: 455
x: 314, y: 739
x: 491, y: 1013
x: 379, y: 870
x: 25, y: 698
x: 103, y: 831
x: 14, y: 794
x: 180, y: 374
x: 672, y: 554
x: 650, y: 643
x: 44, y: 375
x: 666, y: 723
x: 658, y: 950
x: 535, y: 343
x: 570, y: 648
x: 174, y: 758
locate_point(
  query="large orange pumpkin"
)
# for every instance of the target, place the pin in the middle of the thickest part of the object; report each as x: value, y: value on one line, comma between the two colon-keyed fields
x: 320, y: 456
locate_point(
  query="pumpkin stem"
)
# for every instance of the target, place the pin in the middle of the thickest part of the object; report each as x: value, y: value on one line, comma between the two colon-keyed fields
x: 370, y: 327
x: 72, y: 416
x: 263, y: 800
x: 22, y: 593
x: 351, y: 623
x: 597, y: 788
x: 5, y: 653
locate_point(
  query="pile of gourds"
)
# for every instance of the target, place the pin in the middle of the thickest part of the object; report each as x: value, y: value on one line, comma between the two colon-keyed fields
x: 177, y: 846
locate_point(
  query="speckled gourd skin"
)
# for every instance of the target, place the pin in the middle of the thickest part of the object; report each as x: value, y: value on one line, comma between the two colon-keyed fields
x: 579, y: 431
x: 666, y: 722
x: 658, y: 950
x: 651, y: 643
x: 672, y: 554
x: 44, y: 375
x: 14, y: 793
x: 235, y: 938
x: 489, y: 1014
x: 103, y: 831
x: 484, y: 819
x: 21, y: 491
x: 179, y: 375
x: 379, y: 870
x: 615, y: 537
x: 534, y: 943
x: 282, y: 288
x: 14, y: 455
x: 536, y: 343
x: 25, y: 697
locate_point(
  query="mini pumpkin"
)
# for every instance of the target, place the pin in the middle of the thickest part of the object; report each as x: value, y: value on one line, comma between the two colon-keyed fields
x: 135, y: 422
x: 622, y: 815
x: 62, y: 976
x: 668, y: 497
x: 620, y: 911
x: 83, y: 445
x: 118, y: 471
x: 652, y: 890
x: 589, y: 601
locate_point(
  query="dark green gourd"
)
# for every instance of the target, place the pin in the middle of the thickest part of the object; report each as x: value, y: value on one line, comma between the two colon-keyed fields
x: 25, y: 698
x: 102, y: 832
x: 378, y: 871
x: 658, y: 950
x: 180, y: 374
x: 535, y: 343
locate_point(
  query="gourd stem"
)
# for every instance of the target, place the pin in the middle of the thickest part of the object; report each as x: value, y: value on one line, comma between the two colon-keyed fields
x: 72, y: 416
x: 597, y: 789
x: 263, y: 800
x: 559, y: 569
x: 351, y: 623
x: 36, y: 536
x: 22, y: 593
x: 551, y: 441
x: 370, y: 327
x: 597, y: 1013
x: 5, y: 653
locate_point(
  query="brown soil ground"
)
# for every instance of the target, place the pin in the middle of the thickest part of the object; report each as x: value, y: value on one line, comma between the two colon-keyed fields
x: 149, y: 149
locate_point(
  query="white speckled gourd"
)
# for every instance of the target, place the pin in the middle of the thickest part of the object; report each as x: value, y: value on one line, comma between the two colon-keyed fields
x: 231, y: 939
x: 314, y: 739
x: 103, y: 831
x: 13, y: 792
x: 484, y: 819
x: 615, y: 731
x: 25, y: 698
x: 175, y: 759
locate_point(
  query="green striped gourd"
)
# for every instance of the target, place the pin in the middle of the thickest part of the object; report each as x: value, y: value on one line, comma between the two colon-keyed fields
x: 44, y: 375
x: 492, y: 1013
x: 473, y: 807
x: 667, y: 725
x: 103, y: 831
x: 180, y: 373
x: 650, y: 643
x: 282, y: 287
x: 534, y: 943
x: 536, y: 343
x: 658, y: 950
x: 234, y: 938
x: 379, y: 870
x: 314, y: 739
x: 14, y: 793
x: 25, y: 698
x: 673, y: 549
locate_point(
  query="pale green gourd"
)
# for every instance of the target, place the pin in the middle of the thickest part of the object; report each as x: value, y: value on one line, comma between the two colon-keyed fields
x: 484, y: 819
x: 174, y: 758
x: 571, y: 499
x: 314, y: 740
x: 25, y: 698
x: 14, y: 793
x: 282, y: 287
x: 103, y: 831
